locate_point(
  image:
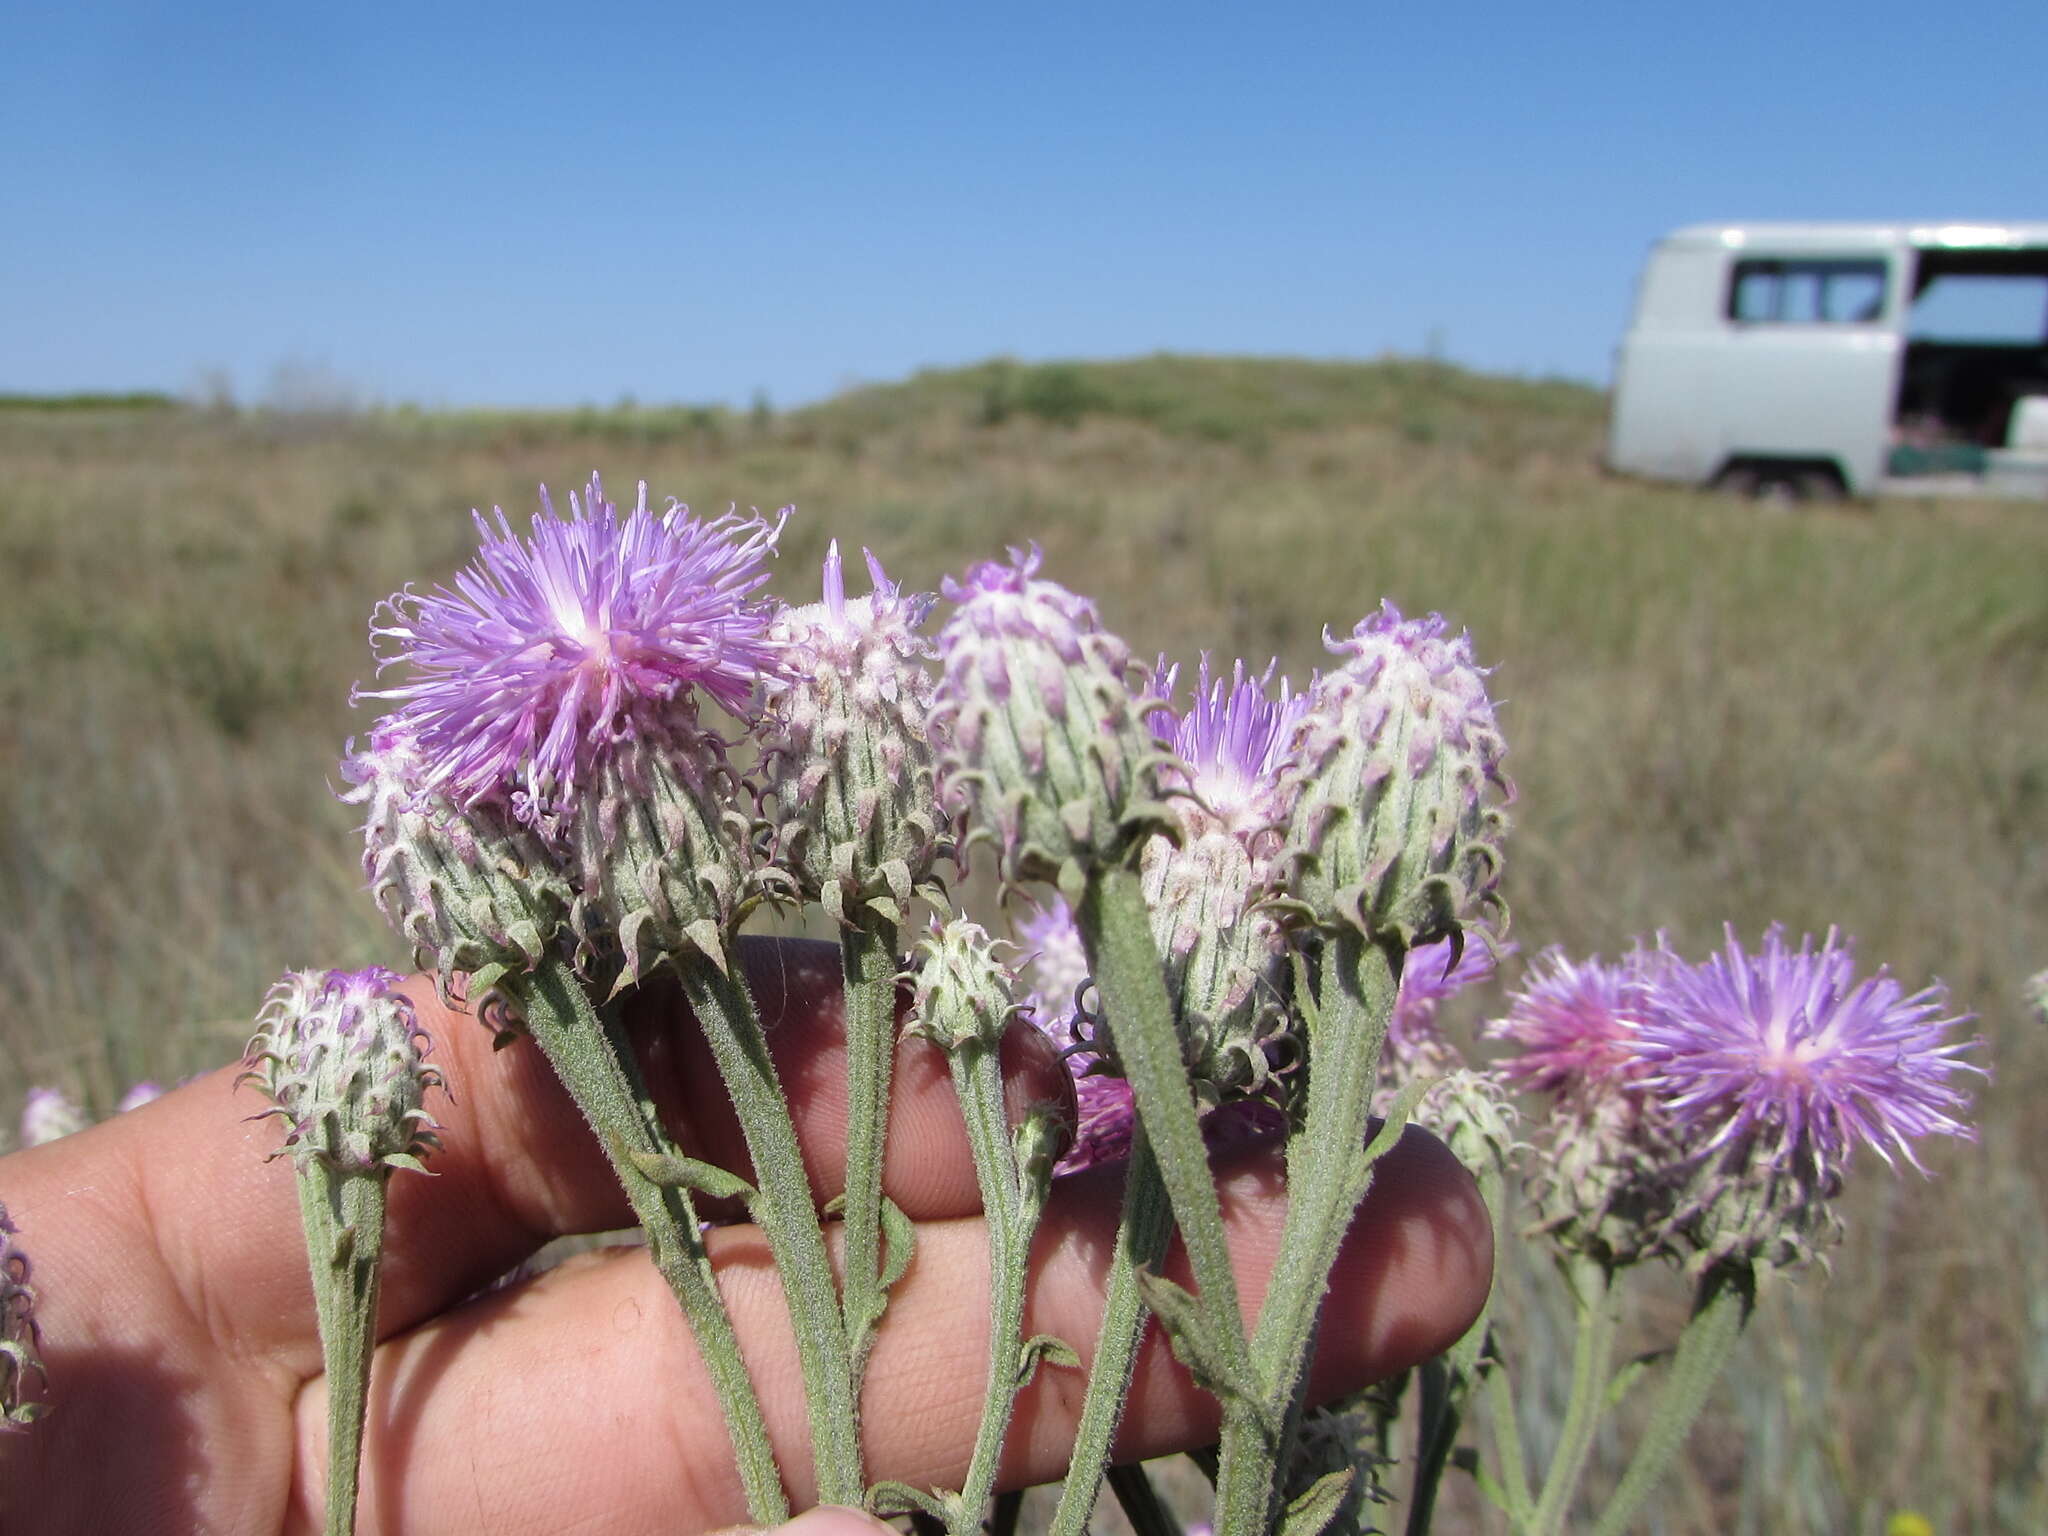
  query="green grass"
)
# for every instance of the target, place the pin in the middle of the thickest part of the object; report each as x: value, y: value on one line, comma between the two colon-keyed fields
x: 1715, y: 713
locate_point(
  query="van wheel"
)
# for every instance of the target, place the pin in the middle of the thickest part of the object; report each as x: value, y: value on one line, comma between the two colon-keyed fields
x: 1736, y: 480
x: 1818, y: 485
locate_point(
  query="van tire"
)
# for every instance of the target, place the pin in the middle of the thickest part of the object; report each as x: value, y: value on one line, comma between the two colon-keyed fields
x: 1736, y: 480
x: 1819, y: 485
x: 1781, y: 485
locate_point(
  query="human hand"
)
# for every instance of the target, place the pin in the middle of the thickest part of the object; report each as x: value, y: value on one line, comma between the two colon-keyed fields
x: 184, y: 1366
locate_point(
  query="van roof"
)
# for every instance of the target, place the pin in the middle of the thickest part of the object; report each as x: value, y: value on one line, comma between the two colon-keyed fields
x: 1954, y: 236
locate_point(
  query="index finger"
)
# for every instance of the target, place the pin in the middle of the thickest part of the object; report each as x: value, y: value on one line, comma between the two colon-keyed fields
x: 187, y: 1176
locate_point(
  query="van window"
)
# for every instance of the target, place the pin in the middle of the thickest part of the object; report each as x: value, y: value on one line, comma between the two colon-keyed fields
x: 1988, y: 308
x: 1798, y: 292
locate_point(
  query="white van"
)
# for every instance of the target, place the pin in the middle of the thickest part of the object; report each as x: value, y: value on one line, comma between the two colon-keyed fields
x: 1814, y: 361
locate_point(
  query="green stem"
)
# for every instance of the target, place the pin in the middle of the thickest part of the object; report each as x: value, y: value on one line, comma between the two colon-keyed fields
x: 1592, y: 1365
x: 1141, y: 1238
x: 343, y: 1215
x: 869, y: 961
x: 1116, y: 930
x: 1328, y: 1172
x: 1010, y: 1212
x: 604, y: 1080
x: 1513, y: 1484
x: 1448, y: 1383
x: 1703, y: 1349
x: 788, y: 1216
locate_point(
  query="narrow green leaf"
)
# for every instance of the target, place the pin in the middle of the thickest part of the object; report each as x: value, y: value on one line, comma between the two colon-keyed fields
x: 670, y: 1169
x: 1213, y: 1355
x: 900, y: 1499
x: 1044, y: 1349
x: 1312, y: 1510
x: 899, y: 1242
x: 1631, y: 1373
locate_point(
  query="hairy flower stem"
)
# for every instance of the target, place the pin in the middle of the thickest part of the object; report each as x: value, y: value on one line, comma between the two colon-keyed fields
x: 1719, y: 1312
x: 1012, y: 1197
x: 1599, y: 1310
x: 1116, y: 931
x: 1141, y: 1236
x: 343, y: 1213
x: 788, y: 1216
x: 1448, y: 1382
x: 1329, y: 1165
x: 868, y: 958
x: 595, y: 1063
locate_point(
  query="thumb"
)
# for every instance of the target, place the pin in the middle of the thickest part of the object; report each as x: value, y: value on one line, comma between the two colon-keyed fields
x: 825, y: 1520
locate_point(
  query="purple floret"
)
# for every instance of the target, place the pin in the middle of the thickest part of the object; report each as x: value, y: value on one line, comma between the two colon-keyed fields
x: 549, y: 649
x: 1234, y: 739
x: 1788, y: 1047
x: 1574, y: 1022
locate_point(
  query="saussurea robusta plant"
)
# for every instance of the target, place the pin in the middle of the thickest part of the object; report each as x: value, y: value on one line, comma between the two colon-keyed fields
x: 1237, y: 915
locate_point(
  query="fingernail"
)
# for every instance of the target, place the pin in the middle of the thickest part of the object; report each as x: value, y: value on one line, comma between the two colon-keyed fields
x: 834, y: 1520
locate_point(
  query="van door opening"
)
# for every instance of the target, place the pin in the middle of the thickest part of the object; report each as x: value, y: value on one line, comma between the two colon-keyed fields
x: 1973, y: 386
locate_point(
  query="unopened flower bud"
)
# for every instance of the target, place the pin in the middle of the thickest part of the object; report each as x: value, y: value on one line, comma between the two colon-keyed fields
x: 341, y: 1056
x: 1396, y: 830
x: 663, y: 848
x: 18, y: 1359
x: 961, y: 994
x: 1045, y: 741
x: 848, y: 759
x: 469, y: 889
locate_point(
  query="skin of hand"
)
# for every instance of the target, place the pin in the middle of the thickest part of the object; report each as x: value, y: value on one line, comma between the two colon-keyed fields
x: 184, y: 1366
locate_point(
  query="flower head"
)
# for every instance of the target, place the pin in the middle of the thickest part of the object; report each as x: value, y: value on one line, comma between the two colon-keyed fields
x: 470, y: 890
x: 341, y: 1055
x: 142, y: 1093
x: 1574, y: 1023
x: 1234, y: 740
x: 1430, y: 974
x: 549, y: 649
x: 1044, y: 742
x: 1789, y: 1051
x: 848, y: 759
x: 49, y: 1113
x: 961, y: 991
x: 1396, y: 828
x: 1055, y: 964
x: 18, y: 1359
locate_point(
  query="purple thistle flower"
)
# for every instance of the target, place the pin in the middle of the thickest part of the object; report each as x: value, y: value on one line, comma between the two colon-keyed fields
x: 48, y: 1114
x: 1429, y: 976
x: 1575, y: 1023
x: 549, y: 649
x: 1787, y: 1050
x: 142, y: 1093
x: 1234, y: 740
x: 1055, y: 964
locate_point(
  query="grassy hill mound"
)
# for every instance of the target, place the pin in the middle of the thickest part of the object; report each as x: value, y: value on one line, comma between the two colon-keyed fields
x: 1215, y: 398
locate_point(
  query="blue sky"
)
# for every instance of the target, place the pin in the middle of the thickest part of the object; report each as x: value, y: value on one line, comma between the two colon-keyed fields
x: 506, y: 204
